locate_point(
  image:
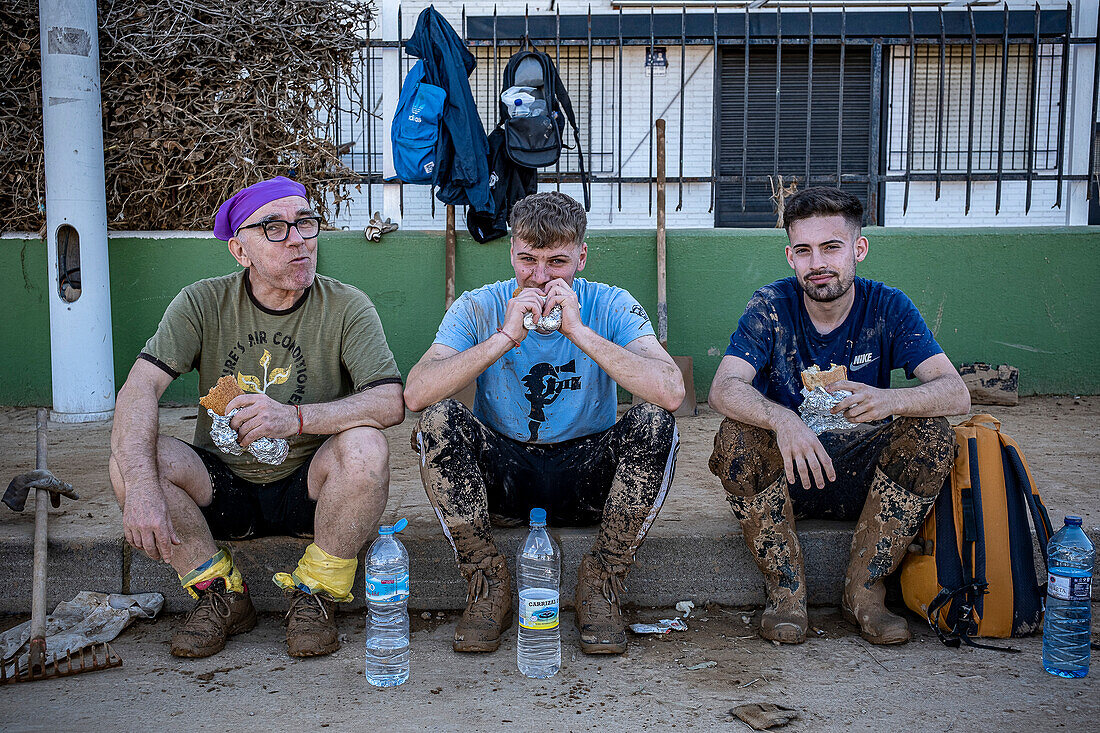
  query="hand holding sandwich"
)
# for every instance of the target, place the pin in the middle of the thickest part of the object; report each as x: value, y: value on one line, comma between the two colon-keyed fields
x: 866, y: 403
x: 259, y: 416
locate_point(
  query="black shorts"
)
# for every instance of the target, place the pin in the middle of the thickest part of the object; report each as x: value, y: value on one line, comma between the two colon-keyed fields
x: 570, y: 479
x: 241, y: 509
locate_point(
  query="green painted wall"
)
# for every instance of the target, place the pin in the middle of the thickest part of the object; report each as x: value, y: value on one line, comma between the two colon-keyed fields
x: 1028, y: 297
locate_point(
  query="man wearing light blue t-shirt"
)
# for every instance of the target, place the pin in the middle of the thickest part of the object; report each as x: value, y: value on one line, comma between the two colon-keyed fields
x: 543, y: 430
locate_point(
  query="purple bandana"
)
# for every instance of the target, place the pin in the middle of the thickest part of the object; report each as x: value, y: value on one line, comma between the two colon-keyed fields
x: 243, y: 204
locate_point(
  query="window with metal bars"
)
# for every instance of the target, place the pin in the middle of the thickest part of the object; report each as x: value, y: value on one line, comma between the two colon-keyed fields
x: 953, y: 102
x: 806, y: 132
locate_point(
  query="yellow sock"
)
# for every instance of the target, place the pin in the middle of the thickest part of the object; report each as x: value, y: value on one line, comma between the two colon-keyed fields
x: 320, y: 572
x: 219, y: 566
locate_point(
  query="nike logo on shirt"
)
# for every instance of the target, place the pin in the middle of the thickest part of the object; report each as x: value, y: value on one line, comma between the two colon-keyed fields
x: 862, y: 362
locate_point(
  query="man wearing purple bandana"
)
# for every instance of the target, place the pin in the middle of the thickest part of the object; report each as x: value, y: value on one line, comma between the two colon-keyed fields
x: 310, y: 356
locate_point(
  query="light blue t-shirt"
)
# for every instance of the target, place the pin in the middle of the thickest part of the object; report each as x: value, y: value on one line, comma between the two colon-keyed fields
x: 548, y: 390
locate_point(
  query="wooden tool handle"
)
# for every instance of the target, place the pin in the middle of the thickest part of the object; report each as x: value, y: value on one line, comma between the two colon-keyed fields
x: 449, y: 259
x: 38, y: 576
x: 662, y: 301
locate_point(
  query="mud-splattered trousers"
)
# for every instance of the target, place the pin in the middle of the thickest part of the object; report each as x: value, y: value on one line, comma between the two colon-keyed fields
x: 898, y: 466
x: 618, y: 478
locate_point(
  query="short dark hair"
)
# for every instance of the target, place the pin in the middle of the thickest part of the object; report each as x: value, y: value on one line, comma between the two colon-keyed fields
x: 548, y: 219
x: 823, y: 201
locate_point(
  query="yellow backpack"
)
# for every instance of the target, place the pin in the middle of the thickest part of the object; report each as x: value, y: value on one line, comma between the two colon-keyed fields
x: 974, y: 572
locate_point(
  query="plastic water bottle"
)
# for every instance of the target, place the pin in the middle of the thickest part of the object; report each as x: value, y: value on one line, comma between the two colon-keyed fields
x: 538, y: 570
x: 513, y: 94
x: 533, y: 109
x: 1068, y: 617
x: 387, y: 574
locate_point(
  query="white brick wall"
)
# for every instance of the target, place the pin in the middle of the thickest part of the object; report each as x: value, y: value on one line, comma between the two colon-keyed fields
x: 923, y: 209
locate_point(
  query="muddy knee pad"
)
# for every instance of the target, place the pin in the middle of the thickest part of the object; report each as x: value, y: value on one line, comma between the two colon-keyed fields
x: 746, y: 459
x: 919, y: 454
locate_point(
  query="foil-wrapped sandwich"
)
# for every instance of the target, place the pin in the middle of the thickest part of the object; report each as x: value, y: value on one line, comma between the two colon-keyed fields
x: 818, y: 401
x: 550, y: 322
x: 272, y: 451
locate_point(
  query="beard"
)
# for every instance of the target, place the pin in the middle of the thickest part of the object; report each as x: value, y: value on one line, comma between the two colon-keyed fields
x: 830, y: 291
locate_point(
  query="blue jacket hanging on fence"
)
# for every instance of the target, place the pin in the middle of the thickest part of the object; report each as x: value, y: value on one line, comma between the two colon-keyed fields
x: 461, y: 172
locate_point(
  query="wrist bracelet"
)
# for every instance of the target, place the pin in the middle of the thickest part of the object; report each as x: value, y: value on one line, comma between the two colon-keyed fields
x: 501, y: 330
x: 298, y: 409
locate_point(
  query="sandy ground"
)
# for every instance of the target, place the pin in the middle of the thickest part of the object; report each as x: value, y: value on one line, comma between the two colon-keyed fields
x: 836, y: 681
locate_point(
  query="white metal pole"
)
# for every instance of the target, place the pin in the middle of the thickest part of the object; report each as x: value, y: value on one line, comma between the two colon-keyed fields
x: 81, y: 345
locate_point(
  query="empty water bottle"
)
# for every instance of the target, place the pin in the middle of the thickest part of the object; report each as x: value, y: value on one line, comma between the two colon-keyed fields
x: 1068, y: 618
x: 387, y: 574
x: 511, y: 95
x: 534, y: 109
x: 538, y: 570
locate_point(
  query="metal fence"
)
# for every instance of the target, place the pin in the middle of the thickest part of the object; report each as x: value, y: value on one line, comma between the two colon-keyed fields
x: 955, y: 95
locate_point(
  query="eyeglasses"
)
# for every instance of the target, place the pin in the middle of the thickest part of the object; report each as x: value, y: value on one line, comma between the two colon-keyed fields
x: 277, y: 230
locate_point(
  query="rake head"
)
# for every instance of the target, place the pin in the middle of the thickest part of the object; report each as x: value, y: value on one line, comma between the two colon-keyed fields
x: 33, y: 666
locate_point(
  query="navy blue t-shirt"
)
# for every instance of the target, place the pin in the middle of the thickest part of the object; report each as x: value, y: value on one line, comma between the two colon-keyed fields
x: 883, y: 331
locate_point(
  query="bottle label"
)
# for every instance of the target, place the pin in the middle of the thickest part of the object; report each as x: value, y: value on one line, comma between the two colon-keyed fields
x: 539, y: 611
x: 388, y: 587
x: 1069, y: 589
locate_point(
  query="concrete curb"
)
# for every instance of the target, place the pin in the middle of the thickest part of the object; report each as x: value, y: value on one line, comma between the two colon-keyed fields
x: 711, y: 566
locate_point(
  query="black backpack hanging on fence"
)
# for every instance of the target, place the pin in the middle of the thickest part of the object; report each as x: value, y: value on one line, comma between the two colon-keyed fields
x: 536, y: 141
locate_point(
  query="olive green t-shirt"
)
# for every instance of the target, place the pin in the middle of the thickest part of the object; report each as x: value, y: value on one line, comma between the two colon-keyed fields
x: 328, y: 345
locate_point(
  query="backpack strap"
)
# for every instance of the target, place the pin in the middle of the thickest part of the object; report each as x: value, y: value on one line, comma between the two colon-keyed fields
x: 1039, y: 517
x: 963, y: 599
x: 562, y: 97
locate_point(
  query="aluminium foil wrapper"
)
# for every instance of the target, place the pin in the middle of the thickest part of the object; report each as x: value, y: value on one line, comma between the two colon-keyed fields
x: 660, y: 628
x: 271, y: 451
x: 550, y: 322
x: 815, y: 407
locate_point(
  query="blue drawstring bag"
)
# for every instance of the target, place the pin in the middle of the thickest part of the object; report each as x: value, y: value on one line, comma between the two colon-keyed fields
x: 415, y: 128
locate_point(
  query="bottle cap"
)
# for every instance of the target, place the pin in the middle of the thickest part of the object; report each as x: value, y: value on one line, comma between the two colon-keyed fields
x: 387, y: 529
x: 1073, y: 520
x: 538, y: 516
x: 519, y: 102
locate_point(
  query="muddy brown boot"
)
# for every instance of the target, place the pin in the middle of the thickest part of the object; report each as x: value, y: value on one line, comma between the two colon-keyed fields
x: 596, y: 606
x: 310, y: 625
x: 488, y: 606
x: 219, y: 614
x: 767, y: 521
x: 889, y: 521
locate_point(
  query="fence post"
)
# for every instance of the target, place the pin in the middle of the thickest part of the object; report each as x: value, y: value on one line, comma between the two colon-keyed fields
x: 391, y: 88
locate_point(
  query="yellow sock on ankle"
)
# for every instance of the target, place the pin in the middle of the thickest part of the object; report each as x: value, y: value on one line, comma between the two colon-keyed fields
x: 219, y: 566
x: 320, y: 572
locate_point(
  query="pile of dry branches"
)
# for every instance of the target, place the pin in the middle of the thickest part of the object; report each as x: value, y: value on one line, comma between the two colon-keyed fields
x: 200, y: 98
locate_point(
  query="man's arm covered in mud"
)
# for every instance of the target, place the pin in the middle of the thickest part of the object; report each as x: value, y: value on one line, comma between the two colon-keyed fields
x: 733, y: 395
x: 941, y: 392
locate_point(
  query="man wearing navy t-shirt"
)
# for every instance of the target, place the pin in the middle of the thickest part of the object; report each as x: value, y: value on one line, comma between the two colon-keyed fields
x: 543, y: 430
x: 887, y: 471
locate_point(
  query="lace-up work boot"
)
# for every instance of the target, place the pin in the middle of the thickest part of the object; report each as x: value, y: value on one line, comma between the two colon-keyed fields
x: 219, y: 614
x: 596, y: 602
x: 310, y: 625
x: 488, y: 606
